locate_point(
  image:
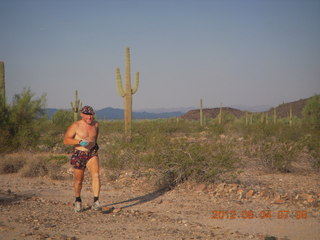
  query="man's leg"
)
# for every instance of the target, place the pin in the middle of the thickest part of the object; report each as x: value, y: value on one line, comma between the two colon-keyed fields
x: 93, y: 166
x: 78, y: 179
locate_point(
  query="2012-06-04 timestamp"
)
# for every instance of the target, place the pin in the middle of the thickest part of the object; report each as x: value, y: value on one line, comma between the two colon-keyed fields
x: 263, y: 214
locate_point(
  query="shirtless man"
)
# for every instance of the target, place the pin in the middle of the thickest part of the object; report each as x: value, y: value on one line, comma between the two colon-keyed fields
x: 83, y: 135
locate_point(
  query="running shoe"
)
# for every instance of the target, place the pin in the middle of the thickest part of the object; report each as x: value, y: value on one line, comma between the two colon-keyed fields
x: 96, y: 206
x: 78, y: 207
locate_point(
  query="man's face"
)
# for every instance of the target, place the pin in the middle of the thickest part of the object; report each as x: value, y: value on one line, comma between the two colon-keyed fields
x: 87, y: 118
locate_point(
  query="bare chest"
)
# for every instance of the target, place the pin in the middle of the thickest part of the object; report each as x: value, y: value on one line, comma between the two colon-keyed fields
x: 86, y: 132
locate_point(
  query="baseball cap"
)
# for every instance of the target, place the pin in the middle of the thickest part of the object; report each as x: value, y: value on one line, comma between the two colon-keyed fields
x: 87, y: 110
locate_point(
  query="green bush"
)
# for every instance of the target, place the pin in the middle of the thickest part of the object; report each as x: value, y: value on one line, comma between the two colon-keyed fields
x: 311, y: 143
x: 311, y: 112
x: 62, y: 118
x: 21, y: 121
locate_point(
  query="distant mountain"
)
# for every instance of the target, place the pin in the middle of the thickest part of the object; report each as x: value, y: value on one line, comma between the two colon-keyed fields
x: 193, y: 113
x: 211, y: 113
x: 166, y: 110
x: 116, y: 113
x: 282, y: 110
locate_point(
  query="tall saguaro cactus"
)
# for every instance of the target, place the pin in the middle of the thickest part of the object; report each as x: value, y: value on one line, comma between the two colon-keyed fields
x: 127, y: 93
x: 274, y: 115
x: 2, y: 84
x: 220, y: 114
x: 201, y: 113
x: 76, y: 106
x: 290, y: 116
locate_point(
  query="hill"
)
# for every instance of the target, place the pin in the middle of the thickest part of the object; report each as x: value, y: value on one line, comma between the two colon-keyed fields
x: 282, y: 111
x: 211, y: 113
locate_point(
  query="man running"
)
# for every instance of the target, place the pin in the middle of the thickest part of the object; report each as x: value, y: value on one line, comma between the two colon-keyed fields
x: 83, y: 135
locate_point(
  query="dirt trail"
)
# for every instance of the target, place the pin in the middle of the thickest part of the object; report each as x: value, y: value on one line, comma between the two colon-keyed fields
x: 40, y: 208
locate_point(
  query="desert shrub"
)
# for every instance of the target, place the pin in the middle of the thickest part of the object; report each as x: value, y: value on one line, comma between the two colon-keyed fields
x: 311, y: 112
x: 184, y: 160
x: 176, y: 160
x: 311, y: 143
x: 51, y: 138
x: 11, y: 164
x: 277, y: 156
x: 21, y: 121
x: 216, y: 129
x: 5, y: 140
x: 62, y: 118
x: 40, y: 166
x: 35, y: 167
x: 266, y: 132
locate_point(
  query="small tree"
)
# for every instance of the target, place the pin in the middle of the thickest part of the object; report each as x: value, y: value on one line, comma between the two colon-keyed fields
x: 24, y: 117
x: 311, y: 112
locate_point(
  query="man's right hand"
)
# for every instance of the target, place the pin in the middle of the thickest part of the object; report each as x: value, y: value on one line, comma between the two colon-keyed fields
x: 84, y: 143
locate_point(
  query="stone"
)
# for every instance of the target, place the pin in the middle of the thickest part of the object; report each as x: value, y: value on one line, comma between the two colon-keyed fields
x: 116, y: 210
x: 240, y: 192
x: 279, y: 201
x: 201, y: 187
x: 249, y: 194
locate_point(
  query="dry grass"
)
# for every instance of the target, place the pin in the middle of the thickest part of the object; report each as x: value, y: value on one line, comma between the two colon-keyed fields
x: 32, y: 165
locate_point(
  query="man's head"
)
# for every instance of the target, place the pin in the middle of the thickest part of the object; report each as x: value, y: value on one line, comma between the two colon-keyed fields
x: 87, y: 114
x: 87, y: 110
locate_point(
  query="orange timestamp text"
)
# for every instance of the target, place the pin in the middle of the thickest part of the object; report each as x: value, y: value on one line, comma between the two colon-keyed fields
x: 264, y: 214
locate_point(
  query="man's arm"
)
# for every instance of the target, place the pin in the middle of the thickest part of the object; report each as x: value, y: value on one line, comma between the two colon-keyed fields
x: 69, y: 136
x: 97, y: 125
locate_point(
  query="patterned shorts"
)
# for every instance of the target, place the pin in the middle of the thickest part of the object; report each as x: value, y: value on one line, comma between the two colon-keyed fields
x: 80, y: 158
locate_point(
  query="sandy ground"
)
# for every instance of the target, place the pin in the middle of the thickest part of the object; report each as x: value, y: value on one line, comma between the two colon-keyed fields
x: 41, y: 208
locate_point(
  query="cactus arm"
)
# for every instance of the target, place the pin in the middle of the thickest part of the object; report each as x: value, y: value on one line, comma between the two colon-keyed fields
x: 2, y: 82
x: 201, y: 113
x: 119, y: 83
x: 136, y: 84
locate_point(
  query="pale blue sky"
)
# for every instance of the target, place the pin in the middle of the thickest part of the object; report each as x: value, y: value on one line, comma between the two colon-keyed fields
x: 258, y: 52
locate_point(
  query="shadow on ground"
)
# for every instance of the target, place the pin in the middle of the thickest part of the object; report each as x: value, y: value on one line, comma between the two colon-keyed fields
x: 141, y: 199
x: 9, y: 197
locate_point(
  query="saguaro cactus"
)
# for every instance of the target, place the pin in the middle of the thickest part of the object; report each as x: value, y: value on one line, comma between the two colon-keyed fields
x: 247, y: 118
x: 274, y: 115
x: 2, y: 84
x: 76, y: 106
x: 127, y: 93
x: 290, y: 116
x: 201, y: 113
x: 220, y: 114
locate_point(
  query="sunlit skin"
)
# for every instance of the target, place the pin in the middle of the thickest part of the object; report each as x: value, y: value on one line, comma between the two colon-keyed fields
x: 85, y: 129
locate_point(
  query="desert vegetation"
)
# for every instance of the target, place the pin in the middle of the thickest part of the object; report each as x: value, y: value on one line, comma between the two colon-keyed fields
x: 172, y: 151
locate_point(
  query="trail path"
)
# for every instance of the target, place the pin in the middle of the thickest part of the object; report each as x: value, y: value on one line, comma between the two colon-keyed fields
x: 40, y: 208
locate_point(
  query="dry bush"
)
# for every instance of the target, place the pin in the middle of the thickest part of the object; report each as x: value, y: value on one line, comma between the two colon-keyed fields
x: 12, y: 163
x: 34, y: 167
x: 277, y: 156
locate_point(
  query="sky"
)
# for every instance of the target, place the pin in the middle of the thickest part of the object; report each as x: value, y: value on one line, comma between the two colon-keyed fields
x: 229, y: 52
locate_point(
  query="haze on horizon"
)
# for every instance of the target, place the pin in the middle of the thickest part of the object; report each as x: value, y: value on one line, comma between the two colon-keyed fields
x: 248, y: 52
